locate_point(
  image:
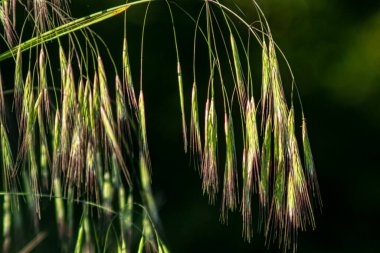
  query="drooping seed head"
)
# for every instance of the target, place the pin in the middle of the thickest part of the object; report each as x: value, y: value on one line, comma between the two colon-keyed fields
x: 311, y: 175
x: 210, y: 181
x: 18, y: 83
x: 195, y: 134
x: 230, y: 187
x: 127, y: 76
x: 43, y: 84
x: 240, y: 85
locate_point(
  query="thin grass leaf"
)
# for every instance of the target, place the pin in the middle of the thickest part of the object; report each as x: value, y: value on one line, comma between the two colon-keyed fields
x: 79, y: 242
x: 67, y: 28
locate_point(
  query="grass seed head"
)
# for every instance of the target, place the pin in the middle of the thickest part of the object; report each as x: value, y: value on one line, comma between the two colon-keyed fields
x: 104, y: 96
x: 128, y: 77
x: 114, y: 145
x: 210, y: 181
x: 230, y: 188
x: 195, y: 133
x: 7, y: 160
x: 143, y: 140
x: 18, y: 82
x: 62, y: 66
x: 240, y: 85
x: 43, y: 87
x: 182, y: 103
x: 265, y: 164
x: 266, y: 84
x: 311, y: 175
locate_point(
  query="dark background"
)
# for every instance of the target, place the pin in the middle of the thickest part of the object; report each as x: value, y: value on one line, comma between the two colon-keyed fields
x: 333, y: 48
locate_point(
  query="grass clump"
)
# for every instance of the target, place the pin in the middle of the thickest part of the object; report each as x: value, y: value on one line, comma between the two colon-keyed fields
x: 77, y: 142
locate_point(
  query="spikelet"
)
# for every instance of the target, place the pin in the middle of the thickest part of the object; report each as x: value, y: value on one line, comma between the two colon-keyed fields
x: 210, y: 181
x: 56, y: 179
x: 68, y: 112
x: 7, y: 160
x: 299, y: 210
x: 74, y: 174
x: 250, y: 164
x: 127, y: 76
x: 195, y: 133
x: 112, y: 140
x: 280, y: 115
x: 87, y: 97
x: 182, y: 102
x: 29, y: 145
x: 62, y: 67
x: 80, y: 95
x: 143, y: 140
x: 104, y: 96
x: 18, y: 84
x: 266, y: 94
x: 40, y: 14
x: 265, y: 165
x: 5, y: 19
x: 56, y: 146
x: 95, y: 108
x: 240, y: 86
x: 311, y: 175
x: 252, y: 142
x: 121, y: 108
x: 43, y: 85
x: 230, y: 187
x: 91, y: 184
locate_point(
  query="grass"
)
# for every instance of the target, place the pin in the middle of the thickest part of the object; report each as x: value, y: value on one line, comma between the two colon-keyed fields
x: 83, y: 145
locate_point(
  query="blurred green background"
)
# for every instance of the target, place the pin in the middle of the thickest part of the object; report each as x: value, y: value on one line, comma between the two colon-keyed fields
x: 333, y: 48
